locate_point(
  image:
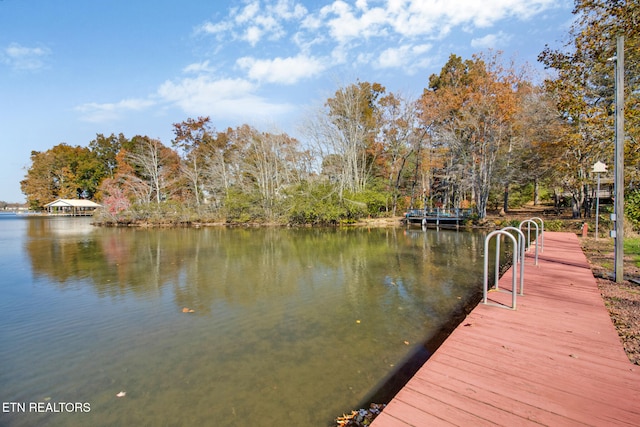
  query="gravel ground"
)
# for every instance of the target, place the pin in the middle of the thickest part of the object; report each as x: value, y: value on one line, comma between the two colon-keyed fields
x: 622, y: 300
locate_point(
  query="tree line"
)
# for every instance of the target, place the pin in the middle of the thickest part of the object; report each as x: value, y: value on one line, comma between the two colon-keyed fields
x: 482, y: 134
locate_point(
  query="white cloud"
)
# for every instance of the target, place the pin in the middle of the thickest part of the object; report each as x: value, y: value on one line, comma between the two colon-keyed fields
x: 491, y: 41
x: 429, y: 18
x: 100, y: 113
x: 24, y: 58
x: 288, y: 9
x: 340, y: 55
x: 345, y: 25
x: 252, y: 22
x: 196, y: 96
x: 362, y: 4
x: 345, y: 29
x: 223, y: 98
x: 211, y: 28
x: 253, y: 35
x: 396, y: 34
x: 270, y: 24
x: 311, y: 22
x: 248, y: 12
x: 365, y: 58
x: 393, y: 57
x: 282, y: 70
x: 390, y: 34
x: 198, y: 67
x: 406, y: 56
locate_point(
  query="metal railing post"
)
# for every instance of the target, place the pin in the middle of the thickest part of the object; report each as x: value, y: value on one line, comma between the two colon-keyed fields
x: 529, y: 222
x: 520, y: 251
x: 536, y: 219
x: 514, y: 288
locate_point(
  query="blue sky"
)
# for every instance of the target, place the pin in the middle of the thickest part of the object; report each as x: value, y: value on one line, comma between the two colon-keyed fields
x: 71, y: 69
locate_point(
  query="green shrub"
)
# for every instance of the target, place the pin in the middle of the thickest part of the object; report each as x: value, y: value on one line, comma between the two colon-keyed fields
x: 554, y: 225
x: 320, y: 204
x: 240, y: 207
x: 369, y: 202
x: 632, y: 208
x: 519, y: 195
x: 632, y: 249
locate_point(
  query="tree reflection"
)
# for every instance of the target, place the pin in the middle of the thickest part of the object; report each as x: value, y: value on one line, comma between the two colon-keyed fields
x: 381, y: 268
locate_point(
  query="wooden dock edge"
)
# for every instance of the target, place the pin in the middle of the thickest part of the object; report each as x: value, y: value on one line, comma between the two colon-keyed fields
x: 557, y: 360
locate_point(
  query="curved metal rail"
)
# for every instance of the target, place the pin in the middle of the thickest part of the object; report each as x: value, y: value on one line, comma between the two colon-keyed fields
x: 514, y: 289
x: 529, y: 222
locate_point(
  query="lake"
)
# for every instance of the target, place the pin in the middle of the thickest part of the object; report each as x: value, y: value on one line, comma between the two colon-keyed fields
x: 215, y: 326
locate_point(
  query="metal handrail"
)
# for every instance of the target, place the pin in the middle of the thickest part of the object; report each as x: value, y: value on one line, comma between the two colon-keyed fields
x: 514, y: 289
x: 521, y: 248
x: 536, y: 219
x: 529, y: 222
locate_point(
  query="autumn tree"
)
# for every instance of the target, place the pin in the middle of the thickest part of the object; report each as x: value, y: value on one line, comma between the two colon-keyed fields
x: 402, y: 141
x: 583, y: 89
x: 106, y: 148
x: 263, y: 164
x: 594, y: 35
x: 439, y: 112
x: 194, y: 139
x: 61, y: 172
x: 472, y: 103
x: 540, y: 127
x: 147, y: 171
x: 347, y: 130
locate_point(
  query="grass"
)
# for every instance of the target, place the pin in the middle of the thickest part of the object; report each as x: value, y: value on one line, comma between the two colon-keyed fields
x: 632, y: 249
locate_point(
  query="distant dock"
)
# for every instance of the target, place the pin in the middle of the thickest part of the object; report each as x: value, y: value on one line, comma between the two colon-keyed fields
x: 437, y: 217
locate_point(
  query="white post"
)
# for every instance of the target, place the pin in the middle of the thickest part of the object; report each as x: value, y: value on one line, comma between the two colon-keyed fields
x: 598, y: 168
x: 597, y: 205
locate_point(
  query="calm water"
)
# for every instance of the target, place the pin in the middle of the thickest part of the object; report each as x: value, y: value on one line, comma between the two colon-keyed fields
x: 290, y: 327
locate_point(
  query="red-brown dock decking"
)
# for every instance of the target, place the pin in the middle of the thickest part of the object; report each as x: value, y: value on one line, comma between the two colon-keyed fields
x: 555, y: 361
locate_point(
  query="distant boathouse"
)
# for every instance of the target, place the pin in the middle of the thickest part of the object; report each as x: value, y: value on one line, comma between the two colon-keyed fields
x: 72, y: 207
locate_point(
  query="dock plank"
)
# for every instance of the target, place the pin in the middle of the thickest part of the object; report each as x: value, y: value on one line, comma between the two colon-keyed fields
x: 556, y: 360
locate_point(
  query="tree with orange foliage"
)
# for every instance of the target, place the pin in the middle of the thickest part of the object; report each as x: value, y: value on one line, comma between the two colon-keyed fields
x: 346, y: 130
x: 583, y: 90
x: 540, y: 127
x: 61, y: 172
x: 147, y: 171
x: 470, y: 106
x: 193, y: 139
x: 402, y: 142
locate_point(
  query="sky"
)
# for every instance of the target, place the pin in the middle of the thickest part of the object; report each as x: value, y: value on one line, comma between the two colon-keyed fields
x: 72, y: 69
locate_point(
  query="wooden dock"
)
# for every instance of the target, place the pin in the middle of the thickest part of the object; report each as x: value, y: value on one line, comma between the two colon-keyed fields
x: 437, y: 217
x: 555, y: 361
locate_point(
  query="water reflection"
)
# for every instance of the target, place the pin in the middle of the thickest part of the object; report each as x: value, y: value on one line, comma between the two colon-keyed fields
x: 243, y: 266
x: 290, y: 326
